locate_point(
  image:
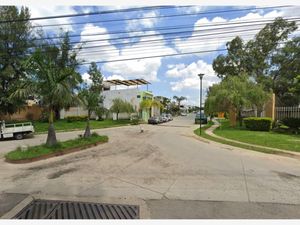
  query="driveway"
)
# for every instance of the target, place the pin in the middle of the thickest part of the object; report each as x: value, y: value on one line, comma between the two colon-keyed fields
x: 166, y: 165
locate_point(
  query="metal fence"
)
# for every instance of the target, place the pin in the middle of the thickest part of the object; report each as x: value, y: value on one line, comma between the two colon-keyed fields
x: 287, y: 112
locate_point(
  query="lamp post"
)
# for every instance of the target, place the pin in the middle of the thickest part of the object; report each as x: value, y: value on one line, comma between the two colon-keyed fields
x: 200, y: 76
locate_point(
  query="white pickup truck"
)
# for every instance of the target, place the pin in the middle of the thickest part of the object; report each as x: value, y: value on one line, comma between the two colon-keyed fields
x: 16, y: 130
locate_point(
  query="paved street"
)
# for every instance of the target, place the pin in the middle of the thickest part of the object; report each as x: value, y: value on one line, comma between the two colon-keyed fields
x: 175, y: 173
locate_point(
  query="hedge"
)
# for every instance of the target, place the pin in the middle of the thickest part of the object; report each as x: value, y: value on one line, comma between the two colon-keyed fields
x: 293, y: 123
x: 258, y: 123
x: 76, y: 118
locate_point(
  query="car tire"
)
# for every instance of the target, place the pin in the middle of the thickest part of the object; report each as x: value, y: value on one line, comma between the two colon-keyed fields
x: 18, y: 136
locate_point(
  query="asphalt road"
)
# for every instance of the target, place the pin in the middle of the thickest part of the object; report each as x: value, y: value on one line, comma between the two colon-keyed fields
x: 174, y: 173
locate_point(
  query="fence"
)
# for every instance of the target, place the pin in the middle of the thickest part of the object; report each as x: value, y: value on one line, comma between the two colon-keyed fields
x: 287, y: 112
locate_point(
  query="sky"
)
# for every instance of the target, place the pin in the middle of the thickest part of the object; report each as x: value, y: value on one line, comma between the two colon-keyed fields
x: 169, y: 76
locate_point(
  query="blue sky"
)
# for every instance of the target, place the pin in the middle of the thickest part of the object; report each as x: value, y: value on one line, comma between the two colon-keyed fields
x: 169, y: 75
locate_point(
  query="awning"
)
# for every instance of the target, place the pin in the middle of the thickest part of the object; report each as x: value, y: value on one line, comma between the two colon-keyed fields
x: 126, y: 82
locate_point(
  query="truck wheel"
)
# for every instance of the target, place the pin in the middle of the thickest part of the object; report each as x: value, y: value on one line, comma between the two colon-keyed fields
x: 18, y: 136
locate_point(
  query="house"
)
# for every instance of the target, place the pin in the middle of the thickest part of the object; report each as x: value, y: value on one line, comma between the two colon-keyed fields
x: 131, y: 93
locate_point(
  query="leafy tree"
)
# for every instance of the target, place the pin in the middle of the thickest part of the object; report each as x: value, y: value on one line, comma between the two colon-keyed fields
x: 263, y: 59
x: 179, y: 100
x: 15, y: 41
x: 53, y: 77
x: 235, y: 62
x: 120, y: 106
x: 236, y: 92
x: 91, y: 96
x: 146, y: 104
x: 90, y: 101
x: 96, y: 77
x: 285, y: 71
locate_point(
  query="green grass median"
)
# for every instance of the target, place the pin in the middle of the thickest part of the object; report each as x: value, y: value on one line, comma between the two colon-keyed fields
x: 64, y: 125
x: 265, y: 139
x: 42, y: 150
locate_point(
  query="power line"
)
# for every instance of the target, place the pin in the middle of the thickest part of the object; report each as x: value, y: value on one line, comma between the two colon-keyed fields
x: 142, y: 50
x: 204, y: 37
x: 157, y: 56
x: 89, y: 14
x: 226, y: 26
x: 161, y: 16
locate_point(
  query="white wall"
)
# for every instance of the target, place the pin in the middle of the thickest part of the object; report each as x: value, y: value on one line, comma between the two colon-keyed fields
x: 129, y: 95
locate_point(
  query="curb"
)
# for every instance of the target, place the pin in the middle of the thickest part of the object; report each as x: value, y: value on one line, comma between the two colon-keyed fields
x: 54, y: 154
x: 280, y: 152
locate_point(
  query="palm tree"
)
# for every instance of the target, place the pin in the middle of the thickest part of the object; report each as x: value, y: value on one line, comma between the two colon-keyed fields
x: 91, y: 96
x: 179, y: 99
x: 53, y: 77
x: 90, y: 101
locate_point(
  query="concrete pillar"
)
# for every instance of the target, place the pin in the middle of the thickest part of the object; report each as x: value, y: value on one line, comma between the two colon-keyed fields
x: 270, y: 107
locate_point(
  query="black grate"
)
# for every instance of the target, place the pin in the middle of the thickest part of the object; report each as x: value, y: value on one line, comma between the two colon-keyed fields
x: 49, y: 209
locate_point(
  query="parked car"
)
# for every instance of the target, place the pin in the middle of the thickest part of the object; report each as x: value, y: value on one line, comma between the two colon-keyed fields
x: 16, y: 130
x: 169, y: 116
x: 183, y: 114
x: 153, y: 120
x: 203, y: 118
x: 165, y: 118
x: 161, y: 119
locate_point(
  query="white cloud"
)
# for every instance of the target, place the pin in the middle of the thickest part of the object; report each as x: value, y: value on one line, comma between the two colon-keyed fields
x: 52, y: 10
x: 114, y: 77
x: 187, y: 78
x: 191, y: 9
x: 143, y: 68
x: 106, y: 52
x: 86, y: 78
x: 138, y: 24
x: 198, y: 43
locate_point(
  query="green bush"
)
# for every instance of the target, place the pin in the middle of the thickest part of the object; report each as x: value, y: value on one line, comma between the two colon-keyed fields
x: 134, y: 120
x: 76, y: 118
x: 293, y: 123
x: 258, y: 123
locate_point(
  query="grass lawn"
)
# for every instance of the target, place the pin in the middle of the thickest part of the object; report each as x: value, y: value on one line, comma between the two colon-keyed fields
x: 64, y: 125
x: 39, y: 150
x: 267, y: 139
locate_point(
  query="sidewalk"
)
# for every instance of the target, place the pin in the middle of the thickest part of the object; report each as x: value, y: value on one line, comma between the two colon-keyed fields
x: 210, y: 130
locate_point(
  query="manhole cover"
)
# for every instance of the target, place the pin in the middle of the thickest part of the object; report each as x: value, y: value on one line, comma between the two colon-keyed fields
x: 49, y: 209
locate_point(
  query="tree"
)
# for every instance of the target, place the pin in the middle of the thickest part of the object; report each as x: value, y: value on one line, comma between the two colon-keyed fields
x: 285, y: 71
x: 236, y: 92
x: 91, y: 96
x: 235, y: 62
x: 120, y: 106
x: 179, y: 100
x: 90, y: 101
x: 15, y: 40
x: 263, y: 59
x: 53, y: 78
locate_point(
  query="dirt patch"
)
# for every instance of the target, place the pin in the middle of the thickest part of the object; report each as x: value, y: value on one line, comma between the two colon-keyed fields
x: 286, y: 176
x: 60, y: 173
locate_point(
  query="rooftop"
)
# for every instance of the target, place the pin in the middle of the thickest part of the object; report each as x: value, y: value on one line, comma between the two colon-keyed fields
x: 126, y: 82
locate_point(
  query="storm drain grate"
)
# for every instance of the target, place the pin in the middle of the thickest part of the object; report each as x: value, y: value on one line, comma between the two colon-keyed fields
x: 50, y: 209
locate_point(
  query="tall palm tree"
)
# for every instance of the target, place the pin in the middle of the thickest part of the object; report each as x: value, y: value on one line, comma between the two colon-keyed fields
x: 179, y: 99
x: 90, y: 100
x: 53, y: 78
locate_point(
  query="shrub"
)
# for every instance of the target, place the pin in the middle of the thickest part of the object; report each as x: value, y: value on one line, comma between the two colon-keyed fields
x: 293, y: 123
x: 134, y: 120
x: 76, y: 118
x: 258, y: 123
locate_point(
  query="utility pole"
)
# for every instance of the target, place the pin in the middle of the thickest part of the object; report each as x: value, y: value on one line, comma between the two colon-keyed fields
x: 200, y: 76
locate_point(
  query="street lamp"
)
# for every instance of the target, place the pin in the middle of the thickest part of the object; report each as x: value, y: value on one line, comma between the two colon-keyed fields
x: 200, y: 76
